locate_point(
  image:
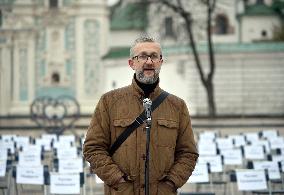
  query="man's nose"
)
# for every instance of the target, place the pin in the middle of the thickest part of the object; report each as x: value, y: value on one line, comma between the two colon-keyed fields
x: 147, y: 61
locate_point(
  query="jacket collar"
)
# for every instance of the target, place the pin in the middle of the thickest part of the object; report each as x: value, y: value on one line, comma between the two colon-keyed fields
x: 140, y: 93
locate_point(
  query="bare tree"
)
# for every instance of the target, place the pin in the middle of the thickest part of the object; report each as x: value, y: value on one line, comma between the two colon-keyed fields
x: 178, y: 7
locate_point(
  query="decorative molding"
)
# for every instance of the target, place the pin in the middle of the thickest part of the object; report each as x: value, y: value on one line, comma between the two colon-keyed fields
x: 14, y: 21
x: 23, y: 74
x: 55, y: 17
x: 70, y: 48
x: 91, y: 57
x: 40, y: 61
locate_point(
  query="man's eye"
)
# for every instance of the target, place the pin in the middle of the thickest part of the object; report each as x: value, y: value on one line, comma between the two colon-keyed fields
x: 143, y: 56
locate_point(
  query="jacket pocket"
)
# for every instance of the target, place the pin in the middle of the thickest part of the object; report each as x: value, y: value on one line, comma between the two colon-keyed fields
x: 167, y: 132
x: 120, y: 125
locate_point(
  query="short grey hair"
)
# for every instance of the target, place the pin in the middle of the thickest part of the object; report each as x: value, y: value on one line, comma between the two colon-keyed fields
x: 143, y: 39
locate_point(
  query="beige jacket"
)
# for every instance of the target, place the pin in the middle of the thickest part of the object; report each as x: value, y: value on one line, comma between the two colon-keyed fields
x: 173, y: 152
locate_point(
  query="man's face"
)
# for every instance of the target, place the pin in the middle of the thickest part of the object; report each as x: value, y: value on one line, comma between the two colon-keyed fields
x: 146, y: 62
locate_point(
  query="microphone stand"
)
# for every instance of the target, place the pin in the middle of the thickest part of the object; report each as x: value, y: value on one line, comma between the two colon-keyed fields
x: 147, y: 103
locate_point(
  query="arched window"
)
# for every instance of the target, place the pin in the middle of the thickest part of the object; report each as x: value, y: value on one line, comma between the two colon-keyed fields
x: 264, y: 33
x: 55, y: 78
x: 222, y: 25
x: 1, y: 18
x: 113, y: 84
x: 169, y: 31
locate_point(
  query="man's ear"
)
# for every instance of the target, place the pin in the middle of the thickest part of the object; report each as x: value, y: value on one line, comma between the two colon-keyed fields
x: 131, y: 63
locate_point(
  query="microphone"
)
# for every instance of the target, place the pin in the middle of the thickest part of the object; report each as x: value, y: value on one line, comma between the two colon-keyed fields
x: 147, y: 103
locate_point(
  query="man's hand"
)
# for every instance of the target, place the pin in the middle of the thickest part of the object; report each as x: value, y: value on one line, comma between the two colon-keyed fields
x: 170, y: 183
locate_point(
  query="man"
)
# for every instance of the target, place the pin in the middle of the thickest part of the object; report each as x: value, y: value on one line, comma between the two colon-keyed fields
x: 173, y: 153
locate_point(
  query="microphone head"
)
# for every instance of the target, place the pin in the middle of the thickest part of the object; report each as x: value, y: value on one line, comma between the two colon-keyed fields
x: 147, y: 103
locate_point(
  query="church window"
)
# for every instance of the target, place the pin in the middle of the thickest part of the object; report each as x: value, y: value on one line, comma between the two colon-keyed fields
x: 169, y: 31
x: 113, y: 84
x: 263, y: 33
x: 53, y: 3
x: 55, y: 78
x: 1, y: 18
x: 222, y: 25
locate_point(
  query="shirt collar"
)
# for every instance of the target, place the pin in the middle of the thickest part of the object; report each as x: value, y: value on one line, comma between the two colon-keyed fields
x: 140, y: 93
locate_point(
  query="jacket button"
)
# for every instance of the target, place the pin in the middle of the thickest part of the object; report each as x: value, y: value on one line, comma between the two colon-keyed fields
x: 143, y: 156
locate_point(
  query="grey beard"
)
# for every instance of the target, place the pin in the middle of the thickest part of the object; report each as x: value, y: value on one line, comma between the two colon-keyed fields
x: 147, y: 80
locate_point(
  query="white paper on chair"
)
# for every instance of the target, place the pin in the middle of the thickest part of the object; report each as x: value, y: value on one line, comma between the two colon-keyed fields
x: 8, y: 137
x: 35, y: 148
x: 248, y: 180
x: 61, y: 145
x: 277, y: 142
x: 271, y: 166
x: 3, y: 164
x: 269, y: 134
x: 67, y: 138
x: 70, y: 166
x: 44, y: 142
x: 64, y: 183
x: 200, y: 174
x: 263, y: 143
x: 207, y: 148
x: 252, y: 136
x: 29, y: 159
x: 254, y: 152
x: 22, y: 141
x: 7, y: 145
x: 224, y: 143
x: 278, y: 158
x: 67, y: 153
x: 232, y: 156
x: 239, y: 140
x: 207, y: 136
x: 50, y: 137
x: 214, y: 161
x: 3, y: 153
x: 29, y: 175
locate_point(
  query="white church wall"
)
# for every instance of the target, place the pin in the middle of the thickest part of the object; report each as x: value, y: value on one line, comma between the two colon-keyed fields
x: 117, y: 74
x: 244, y: 83
x: 254, y: 26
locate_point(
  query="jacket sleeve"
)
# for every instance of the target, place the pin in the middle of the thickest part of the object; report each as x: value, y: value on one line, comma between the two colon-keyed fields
x: 186, y: 153
x: 96, y: 145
